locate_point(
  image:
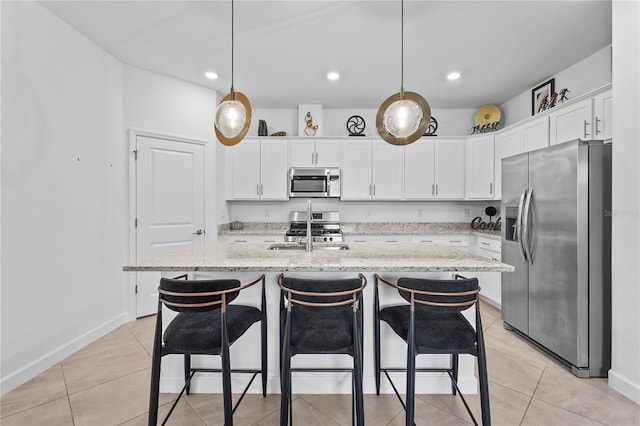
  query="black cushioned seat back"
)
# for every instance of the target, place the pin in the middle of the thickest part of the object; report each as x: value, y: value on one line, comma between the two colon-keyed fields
x: 197, y: 286
x: 439, y: 286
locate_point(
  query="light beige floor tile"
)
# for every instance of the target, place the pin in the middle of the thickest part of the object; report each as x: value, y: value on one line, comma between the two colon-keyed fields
x: 303, y: 414
x: 381, y: 409
x: 428, y: 414
x: 378, y: 410
x: 510, y: 343
x: 516, y: 373
x: 592, y: 398
x: 114, y: 402
x: 45, y: 387
x: 182, y: 415
x: 507, y: 407
x: 102, y: 367
x: 52, y: 413
x: 142, y: 328
x: 148, y: 346
x: 541, y: 413
x: 252, y: 409
x: 121, y: 336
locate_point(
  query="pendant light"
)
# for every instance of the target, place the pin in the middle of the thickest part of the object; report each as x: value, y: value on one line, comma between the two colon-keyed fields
x: 233, y: 115
x: 403, y: 117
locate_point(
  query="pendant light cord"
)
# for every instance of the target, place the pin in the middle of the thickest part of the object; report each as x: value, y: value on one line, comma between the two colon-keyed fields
x: 402, y: 46
x: 232, y: 19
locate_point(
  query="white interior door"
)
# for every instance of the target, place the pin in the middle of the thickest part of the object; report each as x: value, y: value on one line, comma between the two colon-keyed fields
x: 169, y: 206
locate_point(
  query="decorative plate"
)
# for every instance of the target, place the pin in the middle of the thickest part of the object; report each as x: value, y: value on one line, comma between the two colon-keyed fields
x: 355, y: 125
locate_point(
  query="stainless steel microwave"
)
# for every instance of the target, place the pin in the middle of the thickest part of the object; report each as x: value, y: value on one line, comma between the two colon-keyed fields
x: 314, y: 182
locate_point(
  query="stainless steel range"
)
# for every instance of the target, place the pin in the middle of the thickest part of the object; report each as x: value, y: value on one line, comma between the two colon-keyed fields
x: 325, y: 226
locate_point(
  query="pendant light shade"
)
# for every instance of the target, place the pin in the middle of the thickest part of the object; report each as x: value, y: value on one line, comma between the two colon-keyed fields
x: 233, y: 114
x: 404, y: 116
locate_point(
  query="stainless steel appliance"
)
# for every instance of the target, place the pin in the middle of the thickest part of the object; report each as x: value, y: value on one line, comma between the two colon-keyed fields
x: 325, y: 226
x: 314, y: 182
x: 557, y: 234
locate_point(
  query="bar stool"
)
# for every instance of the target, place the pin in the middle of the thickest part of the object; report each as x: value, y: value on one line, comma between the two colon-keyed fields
x: 206, y: 324
x: 321, y: 317
x: 432, y: 323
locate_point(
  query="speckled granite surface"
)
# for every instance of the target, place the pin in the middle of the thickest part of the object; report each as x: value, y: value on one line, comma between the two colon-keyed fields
x: 361, y: 257
x: 368, y: 228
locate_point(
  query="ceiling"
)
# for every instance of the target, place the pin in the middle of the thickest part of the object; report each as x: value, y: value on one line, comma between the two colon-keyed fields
x: 284, y: 49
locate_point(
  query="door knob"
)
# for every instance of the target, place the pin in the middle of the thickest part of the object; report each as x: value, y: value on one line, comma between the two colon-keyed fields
x: 198, y: 232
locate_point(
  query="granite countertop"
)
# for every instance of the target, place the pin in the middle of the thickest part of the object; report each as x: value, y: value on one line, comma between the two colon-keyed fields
x: 369, y: 228
x: 361, y: 257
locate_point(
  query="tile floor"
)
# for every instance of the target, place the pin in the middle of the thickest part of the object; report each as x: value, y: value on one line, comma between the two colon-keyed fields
x: 107, y: 383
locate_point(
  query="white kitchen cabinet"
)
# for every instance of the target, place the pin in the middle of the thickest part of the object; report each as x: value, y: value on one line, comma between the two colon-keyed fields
x: 388, y: 171
x: 507, y: 143
x: 479, y: 169
x: 458, y: 241
x: 490, y: 282
x: 434, y: 168
x: 371, y: 170
x: 356, y: 169
x: 315, y: 153
x: 602, y: 117
x: 535, y: 134
x: 419, y: 170
x: 258, y: 170
x: 449, y: 169
x: 571, y: 122
x: 384, y: 238
x: 264, y: 238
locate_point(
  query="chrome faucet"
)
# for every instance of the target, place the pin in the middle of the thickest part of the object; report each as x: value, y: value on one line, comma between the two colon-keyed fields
x: 309, y: 246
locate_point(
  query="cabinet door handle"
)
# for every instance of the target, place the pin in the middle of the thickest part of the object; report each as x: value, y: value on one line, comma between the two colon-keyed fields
x: 597, y: 129
x: 585, y: 129
x: 484, y: 244
x: 257, y: 189
x: 490, y: 187
x: 374, y: 189
x: 433, y: 189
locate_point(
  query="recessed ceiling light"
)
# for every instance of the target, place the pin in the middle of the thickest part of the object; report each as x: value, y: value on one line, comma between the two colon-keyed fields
x: 211, y: 75
x: 454, y: 75
x: 333, y: 76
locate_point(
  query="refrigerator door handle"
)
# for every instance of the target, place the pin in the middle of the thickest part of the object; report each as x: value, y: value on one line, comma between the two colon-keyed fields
x: 518, y: 228
x: 525, y: 235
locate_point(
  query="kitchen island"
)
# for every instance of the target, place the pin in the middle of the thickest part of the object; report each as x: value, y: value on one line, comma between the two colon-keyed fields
x: 246, y: 261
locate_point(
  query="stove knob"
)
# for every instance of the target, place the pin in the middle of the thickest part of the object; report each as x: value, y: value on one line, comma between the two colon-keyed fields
x: 325, y: 238
x: 330, y: 238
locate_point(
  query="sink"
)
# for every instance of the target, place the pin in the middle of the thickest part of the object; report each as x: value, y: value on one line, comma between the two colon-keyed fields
x: 316, y: 246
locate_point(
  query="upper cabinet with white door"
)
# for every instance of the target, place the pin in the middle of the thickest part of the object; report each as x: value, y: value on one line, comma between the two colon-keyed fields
x: 589, y: 118
x: 479, y: 170
x: 535, y: 134
x: 371, y: 170
x: 315, y: 152
x: 257, y: 169
x: 507, y: 143
x: 434, y: 169
x: 602, y: 117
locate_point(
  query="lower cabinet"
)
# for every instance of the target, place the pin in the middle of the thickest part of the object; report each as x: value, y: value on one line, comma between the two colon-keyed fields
x: 368, y: 238
x: 490, y: 282
x: 458, y: 241
x: 279, y: 238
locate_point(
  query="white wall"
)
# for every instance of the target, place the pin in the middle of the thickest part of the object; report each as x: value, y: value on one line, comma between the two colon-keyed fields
x: 164, y: 105
x: 624, y: 375
x: 62, y: 175
x: 588, y: 74
x: 451, y: 122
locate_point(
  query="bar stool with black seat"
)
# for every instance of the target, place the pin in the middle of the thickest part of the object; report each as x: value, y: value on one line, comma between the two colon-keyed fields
x: 432, y: 323
x: 321, y: 317
x: 206, y: 324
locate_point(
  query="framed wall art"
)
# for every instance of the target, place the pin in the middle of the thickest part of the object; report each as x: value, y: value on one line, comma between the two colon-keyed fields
x: 541, y: 96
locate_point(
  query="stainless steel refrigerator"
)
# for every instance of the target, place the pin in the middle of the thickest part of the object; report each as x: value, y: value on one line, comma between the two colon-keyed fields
x: 556, y: 202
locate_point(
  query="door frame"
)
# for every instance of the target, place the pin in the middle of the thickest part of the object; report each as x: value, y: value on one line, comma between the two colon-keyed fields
x: 209, y: 185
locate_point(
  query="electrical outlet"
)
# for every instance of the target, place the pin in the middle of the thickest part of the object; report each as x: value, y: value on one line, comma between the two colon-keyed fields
x: 467, y: 213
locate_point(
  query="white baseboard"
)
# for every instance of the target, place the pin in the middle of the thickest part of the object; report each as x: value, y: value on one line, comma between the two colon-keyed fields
x: 625, y: 386
x: 13, y: 379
